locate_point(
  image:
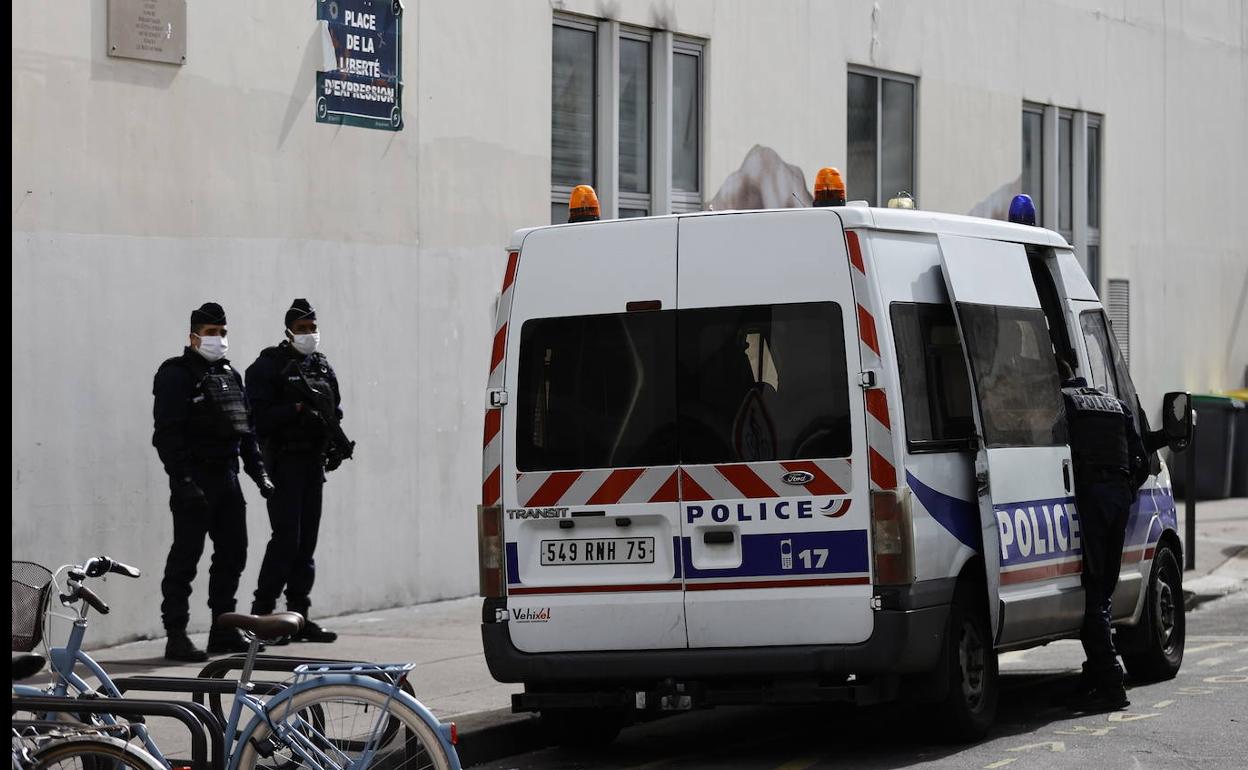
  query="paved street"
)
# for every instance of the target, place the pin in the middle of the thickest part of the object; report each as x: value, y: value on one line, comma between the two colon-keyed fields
x: 1197, y: 720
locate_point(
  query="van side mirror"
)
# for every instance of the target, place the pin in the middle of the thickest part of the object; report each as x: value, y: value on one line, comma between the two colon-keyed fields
x: 1177, y: 420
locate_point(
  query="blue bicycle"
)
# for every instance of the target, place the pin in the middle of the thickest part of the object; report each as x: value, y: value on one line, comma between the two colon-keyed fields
x: 331, y: 716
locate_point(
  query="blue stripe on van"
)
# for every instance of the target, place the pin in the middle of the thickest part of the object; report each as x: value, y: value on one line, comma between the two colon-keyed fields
x: 761, y: 555
x: 958, y: 516
x: 513, y: 564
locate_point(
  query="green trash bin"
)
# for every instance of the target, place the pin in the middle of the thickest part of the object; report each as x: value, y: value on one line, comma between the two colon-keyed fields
x: 1214, y: 445
x: 1239, y: 458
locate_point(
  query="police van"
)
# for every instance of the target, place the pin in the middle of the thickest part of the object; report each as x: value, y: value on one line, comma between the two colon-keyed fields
x: 797, y: 456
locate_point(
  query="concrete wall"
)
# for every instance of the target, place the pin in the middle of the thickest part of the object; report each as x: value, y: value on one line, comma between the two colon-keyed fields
x: 141, y: 190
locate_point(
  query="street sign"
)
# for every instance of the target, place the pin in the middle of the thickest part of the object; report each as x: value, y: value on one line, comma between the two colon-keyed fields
x: 364, y: 85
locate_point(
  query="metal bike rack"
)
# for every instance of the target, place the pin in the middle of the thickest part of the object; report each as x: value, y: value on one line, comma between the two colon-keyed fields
x: 198, y: 688
x: 199, y: 721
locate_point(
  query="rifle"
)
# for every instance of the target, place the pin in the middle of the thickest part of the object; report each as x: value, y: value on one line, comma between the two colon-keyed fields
x: 340, y: 447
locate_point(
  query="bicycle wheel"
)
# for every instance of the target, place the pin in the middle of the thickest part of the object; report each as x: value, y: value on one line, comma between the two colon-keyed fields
x: 339, y: 721
x: 93, y: 752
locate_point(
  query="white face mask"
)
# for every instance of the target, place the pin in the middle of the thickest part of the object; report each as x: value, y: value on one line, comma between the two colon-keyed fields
x: 306, y: 343
x: 212, y: 348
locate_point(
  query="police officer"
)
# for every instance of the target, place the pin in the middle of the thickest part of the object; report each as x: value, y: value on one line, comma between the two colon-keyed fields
x: 297, y: 405
x: 1109, y: 462
x: 202, y: 425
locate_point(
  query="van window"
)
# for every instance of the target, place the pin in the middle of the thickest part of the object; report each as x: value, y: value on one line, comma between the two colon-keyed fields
x: 935, y: 392
x: 763, y: 382
x: 1106, y: 364
x: 1015, y: 373
x: 597, y: 391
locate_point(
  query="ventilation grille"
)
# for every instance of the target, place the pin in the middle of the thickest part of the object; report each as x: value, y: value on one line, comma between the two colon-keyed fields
x: 1118, y: 305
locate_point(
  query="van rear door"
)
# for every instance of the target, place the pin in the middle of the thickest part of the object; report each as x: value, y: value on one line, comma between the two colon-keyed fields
x: 1022, y: 470
x: 772, y: 434
x: 591, y: 518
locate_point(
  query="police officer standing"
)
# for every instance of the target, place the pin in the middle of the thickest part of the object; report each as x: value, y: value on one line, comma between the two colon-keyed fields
x: 202, y: 426
x: 298, y: 408
x: 1109, y: 467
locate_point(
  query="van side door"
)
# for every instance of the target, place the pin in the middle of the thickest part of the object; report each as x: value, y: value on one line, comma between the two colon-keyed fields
x: 1023, y: 475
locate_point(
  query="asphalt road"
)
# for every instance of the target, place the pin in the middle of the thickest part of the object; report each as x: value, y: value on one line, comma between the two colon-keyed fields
x: 1197, y: 720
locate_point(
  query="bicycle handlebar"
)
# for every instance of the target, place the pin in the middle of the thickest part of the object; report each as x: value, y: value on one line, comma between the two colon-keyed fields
x: 87, y: 595
x: 102, y: 565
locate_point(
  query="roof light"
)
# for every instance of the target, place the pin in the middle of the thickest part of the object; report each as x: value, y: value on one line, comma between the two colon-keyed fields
x: 902, y: 200
x: 583, y: 204
x: 1022, y: 210
x: 829, y: 188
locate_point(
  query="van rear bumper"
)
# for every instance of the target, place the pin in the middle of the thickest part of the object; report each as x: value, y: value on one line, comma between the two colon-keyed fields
x: 903, y: 642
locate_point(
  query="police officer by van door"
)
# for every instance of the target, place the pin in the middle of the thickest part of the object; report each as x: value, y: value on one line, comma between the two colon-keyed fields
x: 297, y: 407
x: 1109, y: 466
x: 201, y: 427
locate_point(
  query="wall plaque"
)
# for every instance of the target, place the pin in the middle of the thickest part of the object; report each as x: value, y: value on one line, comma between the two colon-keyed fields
x: 152, y: 30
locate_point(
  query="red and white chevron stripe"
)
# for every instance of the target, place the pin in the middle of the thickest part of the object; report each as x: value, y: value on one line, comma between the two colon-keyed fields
x: 882, y: 468
x: 606, y: 486
x: 763, y: 480
x: 492, y: 456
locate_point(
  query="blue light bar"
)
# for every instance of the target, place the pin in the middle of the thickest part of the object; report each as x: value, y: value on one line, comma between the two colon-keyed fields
x: 1022, y: 210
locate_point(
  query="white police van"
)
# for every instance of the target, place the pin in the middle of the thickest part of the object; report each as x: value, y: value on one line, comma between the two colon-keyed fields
x: 798, y: 455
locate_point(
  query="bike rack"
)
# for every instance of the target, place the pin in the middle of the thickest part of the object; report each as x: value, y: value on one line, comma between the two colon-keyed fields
x: 197, y: 688
x: 194, y: 716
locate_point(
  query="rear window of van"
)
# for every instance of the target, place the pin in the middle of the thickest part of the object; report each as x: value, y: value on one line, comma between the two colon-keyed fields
x: 717, y: 385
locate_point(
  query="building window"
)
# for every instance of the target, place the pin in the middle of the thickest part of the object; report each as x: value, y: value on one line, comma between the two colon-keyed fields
x: 1061, y: 159
x: 573, y: 128
x: 615, y: 93
x: 881, y: 131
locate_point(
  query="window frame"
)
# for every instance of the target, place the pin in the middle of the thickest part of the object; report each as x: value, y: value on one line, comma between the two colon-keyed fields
x: 662, y: 197
x: 879, y: 76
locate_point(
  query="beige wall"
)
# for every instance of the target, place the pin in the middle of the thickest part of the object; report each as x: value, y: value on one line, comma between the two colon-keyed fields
x: 141, y: 190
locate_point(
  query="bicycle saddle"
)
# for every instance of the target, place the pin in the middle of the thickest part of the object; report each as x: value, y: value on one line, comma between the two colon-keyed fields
x: 26, y: 666
x: 266, y: 627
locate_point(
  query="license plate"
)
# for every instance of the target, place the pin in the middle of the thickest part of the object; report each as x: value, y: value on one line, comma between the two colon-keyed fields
x: 605, y: 550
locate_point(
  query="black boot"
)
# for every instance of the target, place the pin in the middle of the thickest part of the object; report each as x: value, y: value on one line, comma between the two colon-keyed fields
x: 180, y: 647
x: 226, y: 640
x: 1103, y: 697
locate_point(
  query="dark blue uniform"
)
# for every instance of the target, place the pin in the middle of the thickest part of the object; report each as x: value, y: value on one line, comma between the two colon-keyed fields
x: 294, y: 443
x: 201, y: 428
x: 1109, y: 459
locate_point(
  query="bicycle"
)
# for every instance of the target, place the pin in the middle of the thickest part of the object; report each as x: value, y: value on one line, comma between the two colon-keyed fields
x: 331, y: 716
x: 71, y: 747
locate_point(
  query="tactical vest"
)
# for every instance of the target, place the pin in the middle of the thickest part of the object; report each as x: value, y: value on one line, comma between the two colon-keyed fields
x: 1098, y: 429
x: 217, y: 408
x: 305, y: 433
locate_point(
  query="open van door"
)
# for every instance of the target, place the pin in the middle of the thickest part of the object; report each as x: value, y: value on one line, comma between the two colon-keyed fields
x: 1022, y: 468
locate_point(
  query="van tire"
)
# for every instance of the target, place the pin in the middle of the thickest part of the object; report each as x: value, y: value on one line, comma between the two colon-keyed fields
x: 585, y: 728
x: 970, y: 705
x: 1153, y: 649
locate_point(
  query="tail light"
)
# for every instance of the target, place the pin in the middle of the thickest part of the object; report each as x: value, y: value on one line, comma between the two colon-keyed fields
x: 490, y: 550
x: 892, y: 544
x: 454, y: 734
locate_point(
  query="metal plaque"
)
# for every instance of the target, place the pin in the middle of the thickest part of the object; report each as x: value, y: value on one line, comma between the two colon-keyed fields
x: 152, y: 30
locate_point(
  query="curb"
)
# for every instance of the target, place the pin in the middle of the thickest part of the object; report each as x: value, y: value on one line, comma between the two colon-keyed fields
x: 485, y: 736
x: 1209, y: 588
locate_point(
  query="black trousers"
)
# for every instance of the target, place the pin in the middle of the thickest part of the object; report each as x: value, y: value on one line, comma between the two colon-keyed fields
x: 224, y: 519
x: 1104, y: 507
x: 295, y: 516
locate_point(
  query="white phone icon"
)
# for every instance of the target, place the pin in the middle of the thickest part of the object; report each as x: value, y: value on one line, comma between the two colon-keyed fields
x: 786, y: 553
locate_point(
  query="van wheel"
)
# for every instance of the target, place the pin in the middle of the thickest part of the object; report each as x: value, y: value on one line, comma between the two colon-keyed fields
x: 581, y: 728
x: 1153, y: 649
x: 971, y: 704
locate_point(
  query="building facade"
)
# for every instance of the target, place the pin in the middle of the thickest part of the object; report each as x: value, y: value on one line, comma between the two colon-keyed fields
x: 141, y: 189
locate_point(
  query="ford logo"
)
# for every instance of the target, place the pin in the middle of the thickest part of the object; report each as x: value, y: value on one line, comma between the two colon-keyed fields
x: 799, y: 478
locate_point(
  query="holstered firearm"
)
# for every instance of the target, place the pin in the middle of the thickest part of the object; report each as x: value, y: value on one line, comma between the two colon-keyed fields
x: 322, y: 411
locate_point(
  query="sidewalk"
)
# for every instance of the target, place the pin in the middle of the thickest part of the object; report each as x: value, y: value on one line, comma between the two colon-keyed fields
x: 451, y: 678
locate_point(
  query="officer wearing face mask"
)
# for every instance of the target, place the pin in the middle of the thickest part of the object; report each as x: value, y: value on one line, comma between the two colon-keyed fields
x: 201, y: 427
x: 297, y: 406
